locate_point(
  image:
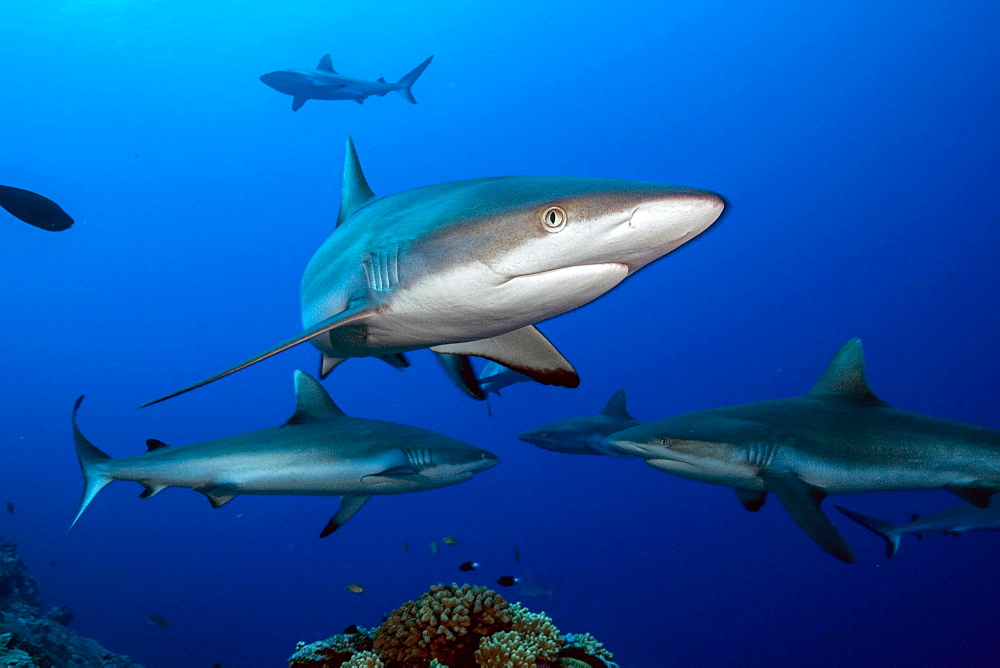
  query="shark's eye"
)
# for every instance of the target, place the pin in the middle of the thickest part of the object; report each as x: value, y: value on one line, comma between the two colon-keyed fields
x: 553, y: 219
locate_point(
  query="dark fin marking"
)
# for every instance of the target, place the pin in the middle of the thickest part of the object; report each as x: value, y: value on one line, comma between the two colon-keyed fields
x: 298, y: 101
x: 802, y: 502
x: 396, y: 361
x: 351, y: 314
x: 152, y: 444
x: 752, y: 500
x: 218, y: 496
x: 524, y: 350
x: 461, y: 373
x: 977, y: 496
x: 884, y: 529
x: 349, y: 505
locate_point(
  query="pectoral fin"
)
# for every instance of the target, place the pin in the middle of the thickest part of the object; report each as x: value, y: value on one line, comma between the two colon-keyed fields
x: 802, y: 503
x: 752, y: 500
x: 352, y: 314
x: 524, y: 350
x: 461, y: 373
x: 349, y: 504
x: 298, y: 101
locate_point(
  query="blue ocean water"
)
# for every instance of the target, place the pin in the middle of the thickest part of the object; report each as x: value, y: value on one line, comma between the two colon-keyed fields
x: 856, y: 145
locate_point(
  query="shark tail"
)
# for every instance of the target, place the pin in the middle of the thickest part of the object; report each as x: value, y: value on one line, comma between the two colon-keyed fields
x: 403, y: 85
x: 888, y: 531
x: 91, y: 460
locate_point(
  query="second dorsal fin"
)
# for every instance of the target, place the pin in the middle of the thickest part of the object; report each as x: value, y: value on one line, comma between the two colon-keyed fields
x: 152, y: 445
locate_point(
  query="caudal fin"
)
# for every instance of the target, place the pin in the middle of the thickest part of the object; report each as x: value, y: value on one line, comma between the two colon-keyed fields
x: 91, y: 458
x: 403, y: 85
x: 884, y: 529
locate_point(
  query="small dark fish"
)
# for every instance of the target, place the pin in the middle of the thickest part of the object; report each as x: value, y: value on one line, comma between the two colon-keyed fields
x: 352, y: 629
x: 354, y: 588
x: 10, y: 507
x: 449, y: 540
x: 508, y: 581
x: 158, y: 621
x: 517, y: 555
x: 434, y: 547
x: 406, y: 547
x: 34, y: 209
x: 469, y: 566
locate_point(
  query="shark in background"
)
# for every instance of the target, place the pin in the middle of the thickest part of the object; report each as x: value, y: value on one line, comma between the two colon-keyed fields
x: 838, y: 439
x: 950, y: 522
x: 325, y: 83
x: 584, y: 435
x: 318, y: 451
x: 495, y: 377
x: 469, y: 267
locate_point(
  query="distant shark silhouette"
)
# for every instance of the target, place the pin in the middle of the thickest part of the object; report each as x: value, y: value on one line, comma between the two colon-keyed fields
x: 495, y: 377
x: 950, y: 522
x: 584, y: 435
x: 324, y: 83
x: 34, y: 209
x: 318, y: 451
x: 468, y: 267
x: 838, y: 439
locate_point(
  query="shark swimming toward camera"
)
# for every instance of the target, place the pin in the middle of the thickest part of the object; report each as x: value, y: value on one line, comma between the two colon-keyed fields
x: 584, y: 435
x: 469, y: 267
x: 318, y: 451
x: 837, y: 439
x: 950, y: 522
x: 325, y: 83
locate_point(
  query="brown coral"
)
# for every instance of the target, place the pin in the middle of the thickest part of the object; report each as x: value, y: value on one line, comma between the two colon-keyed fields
x: 446, y: 623
x: 539, y: 627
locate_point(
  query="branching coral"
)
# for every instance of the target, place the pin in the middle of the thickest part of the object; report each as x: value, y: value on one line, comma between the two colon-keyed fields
x: 446, y: 624
x: 458, y: 627
x: 367, y: 659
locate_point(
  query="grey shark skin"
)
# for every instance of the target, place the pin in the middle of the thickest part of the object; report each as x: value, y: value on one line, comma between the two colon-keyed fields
x: 950, y: 522
x: 584, y: 435
x: 325, y: 83
x: 318, y: 451
x: 837, y: 439
x: 468, y: 267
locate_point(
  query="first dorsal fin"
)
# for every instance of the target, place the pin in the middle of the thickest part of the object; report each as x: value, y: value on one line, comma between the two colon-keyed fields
x: 312, y: 403
x: 616, y: 406
x: 844, y: 378
x: 152, y: 444
x: 354, y: 192
x: 326, y: 64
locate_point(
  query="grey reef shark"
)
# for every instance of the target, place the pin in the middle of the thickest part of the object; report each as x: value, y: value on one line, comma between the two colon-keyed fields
x: 318, y: 451
x: 468, y: 267
x: 837, y: 439
x: 952, y: 521
x: 325, y: 83
x: 584, y: 435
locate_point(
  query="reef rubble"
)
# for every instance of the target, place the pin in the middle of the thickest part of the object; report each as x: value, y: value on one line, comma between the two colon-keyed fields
x: 33, y: 638
x: 452, y: 626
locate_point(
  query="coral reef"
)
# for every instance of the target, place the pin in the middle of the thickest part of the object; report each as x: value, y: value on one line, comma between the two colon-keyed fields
x: 330, y: 653
x: 458, y: 627
x: 30, y: 638
x: 446, y: 624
